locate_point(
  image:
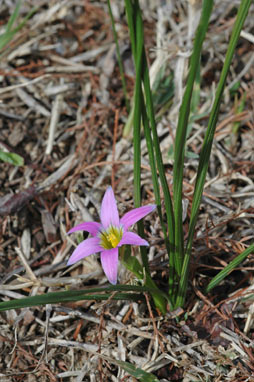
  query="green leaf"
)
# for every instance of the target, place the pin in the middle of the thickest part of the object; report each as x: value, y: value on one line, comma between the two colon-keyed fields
x: 189, y: 102
x: 135, y: 24
x: 135, y: 372
x: 9, y: 33
x: 131, y: 262
x: 78, y: 295
x: 239, y: 108
x: 11, y: 158
x: 163, y: 88
x: 13, y: 17
x: 207, y: 146
x: 229, y: 268
x: 235, y: 88
x: 191, y: 155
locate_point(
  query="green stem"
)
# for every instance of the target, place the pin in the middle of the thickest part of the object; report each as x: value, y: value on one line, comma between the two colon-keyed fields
x: 181, y: 133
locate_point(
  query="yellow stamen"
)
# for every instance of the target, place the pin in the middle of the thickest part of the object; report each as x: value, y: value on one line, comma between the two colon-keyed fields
x: 113, y: 239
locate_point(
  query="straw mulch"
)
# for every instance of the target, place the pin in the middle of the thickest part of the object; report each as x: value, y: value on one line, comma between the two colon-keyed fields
x: 62, y: 109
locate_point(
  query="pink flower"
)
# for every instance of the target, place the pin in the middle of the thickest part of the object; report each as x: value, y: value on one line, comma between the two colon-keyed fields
x: 109, y: 235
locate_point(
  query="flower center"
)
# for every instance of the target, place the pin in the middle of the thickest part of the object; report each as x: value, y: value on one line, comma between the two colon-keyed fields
x: 111, y: 237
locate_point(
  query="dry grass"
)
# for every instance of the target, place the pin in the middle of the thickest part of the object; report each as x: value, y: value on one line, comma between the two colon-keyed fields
x: 62, y: 109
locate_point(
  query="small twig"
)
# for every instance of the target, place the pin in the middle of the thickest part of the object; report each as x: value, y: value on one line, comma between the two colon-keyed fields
x: 31, y: 102
x: 249, y: 320
x: 114, y: 149
x: 156, y: 331
x: 44, y: 352
x: 24, y: 84
x: 210, y: 304
x: 25, y: 263
x: 57, y: 106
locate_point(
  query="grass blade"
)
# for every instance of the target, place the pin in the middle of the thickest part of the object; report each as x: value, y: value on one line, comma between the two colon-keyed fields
x: 152, y: 162
x: 141, y: 375
x: 229, y: 268
x: 207, y: 145
x: 9, y: 33
x: 181, y: 132
x: 137, y: 128
x: 148, y: 117
x: 78, y: 295
x: 137, y: 39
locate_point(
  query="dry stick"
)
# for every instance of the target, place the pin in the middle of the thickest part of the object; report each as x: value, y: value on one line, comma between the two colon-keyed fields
x: 77, y: 330
x: 25, y: 263
x: 249, y: 319
x: 156, y: 331
x: 29, y: 356
x: 248, y: 36
x: 63, y: 170
x: 20, y: 269
x: 100, y: 338
x: 22, y: 85
x: 71, y: 69
x: 48, y: 307
x: 32, y: 102
x: 232, y: 118
x: 105, y: 163
x: 114, y: 148
x: 55, y: 115
x: 46, y: 334
x: 209, y: 303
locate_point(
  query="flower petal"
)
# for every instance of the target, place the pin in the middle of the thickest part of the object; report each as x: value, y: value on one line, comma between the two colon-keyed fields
x: 84, y: 249
x: 135, y: 215
x: 109, y: 262
x: 132, y: 239
x: 91, y: 227
x: 109, y: 213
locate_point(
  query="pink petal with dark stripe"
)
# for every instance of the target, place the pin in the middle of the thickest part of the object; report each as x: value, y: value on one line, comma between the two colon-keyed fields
x: 91, y: 227
x: 84, y: 249
x: 135, y: 215
x: 132, y: 238
x: 109, y: 262
x: 109, y: 212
